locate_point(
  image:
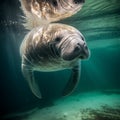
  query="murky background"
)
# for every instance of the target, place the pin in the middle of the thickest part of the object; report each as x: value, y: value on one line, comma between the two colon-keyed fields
x: 99, y: 21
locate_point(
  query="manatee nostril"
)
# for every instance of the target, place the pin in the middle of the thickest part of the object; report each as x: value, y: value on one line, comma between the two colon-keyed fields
x: 77, y: 48
x: 78, y: 44
x: 78, y: 1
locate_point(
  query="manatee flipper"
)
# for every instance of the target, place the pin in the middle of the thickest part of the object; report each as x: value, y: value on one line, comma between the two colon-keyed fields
x: 73, y: 81
x: 29, y: 75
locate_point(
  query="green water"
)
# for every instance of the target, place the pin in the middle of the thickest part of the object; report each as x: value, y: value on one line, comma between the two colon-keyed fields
x: 99, y: 21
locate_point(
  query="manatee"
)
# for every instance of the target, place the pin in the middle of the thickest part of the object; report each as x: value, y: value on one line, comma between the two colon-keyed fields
x: 50, y: 48
x: 41, y: 12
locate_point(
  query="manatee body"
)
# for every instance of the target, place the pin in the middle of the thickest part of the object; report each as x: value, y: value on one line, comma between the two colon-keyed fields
x: 51, y: 48
x: 42, y: 12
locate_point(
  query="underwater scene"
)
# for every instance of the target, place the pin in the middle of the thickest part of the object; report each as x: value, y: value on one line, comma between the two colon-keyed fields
x: 60, y: 60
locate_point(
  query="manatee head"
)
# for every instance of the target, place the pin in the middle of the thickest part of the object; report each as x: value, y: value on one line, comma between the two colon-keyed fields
x: 67, y: 42
x: 74, y: 47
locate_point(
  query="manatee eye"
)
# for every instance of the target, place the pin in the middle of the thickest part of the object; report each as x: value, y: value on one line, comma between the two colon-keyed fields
x: 54, y: 2
x: 57, y: 39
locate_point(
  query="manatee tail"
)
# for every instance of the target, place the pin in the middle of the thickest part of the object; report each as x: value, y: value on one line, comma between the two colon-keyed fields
x: 29, y: 76
x: 73, y: 81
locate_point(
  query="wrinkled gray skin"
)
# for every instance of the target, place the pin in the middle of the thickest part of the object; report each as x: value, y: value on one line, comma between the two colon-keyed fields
x: 51, y: 48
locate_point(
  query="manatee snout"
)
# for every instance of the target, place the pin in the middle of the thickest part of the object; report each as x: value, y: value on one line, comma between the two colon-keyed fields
x: 76, y: 49
x: 83, y: 51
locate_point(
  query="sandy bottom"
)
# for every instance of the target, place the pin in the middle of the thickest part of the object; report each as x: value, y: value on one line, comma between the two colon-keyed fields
x: 97, y: 105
